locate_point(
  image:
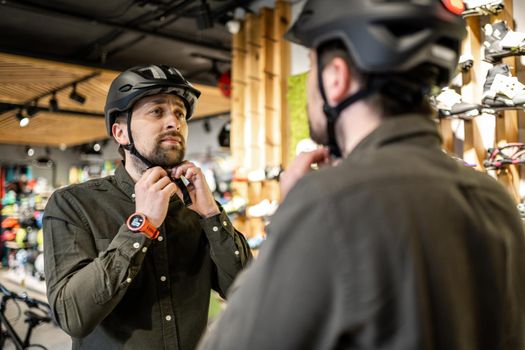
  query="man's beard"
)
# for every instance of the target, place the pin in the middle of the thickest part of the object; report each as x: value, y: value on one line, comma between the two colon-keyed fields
x: 318, y: 136
x: 165, y: 156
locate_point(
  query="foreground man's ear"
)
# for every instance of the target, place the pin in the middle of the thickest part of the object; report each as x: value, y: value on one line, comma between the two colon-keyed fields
x: 336, y: 77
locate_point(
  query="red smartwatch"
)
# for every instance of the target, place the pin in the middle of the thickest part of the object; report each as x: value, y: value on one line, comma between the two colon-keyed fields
x: 138, y: 222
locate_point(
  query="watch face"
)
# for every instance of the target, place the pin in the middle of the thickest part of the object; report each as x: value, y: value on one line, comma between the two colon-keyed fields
x: 136, y: 221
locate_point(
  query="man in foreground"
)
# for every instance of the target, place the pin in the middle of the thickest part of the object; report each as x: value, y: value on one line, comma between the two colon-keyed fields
x: 398, y: 246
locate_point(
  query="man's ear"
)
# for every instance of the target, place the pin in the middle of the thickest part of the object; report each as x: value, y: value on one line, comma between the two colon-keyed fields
x: 336, y: 77
x: 120, y: 133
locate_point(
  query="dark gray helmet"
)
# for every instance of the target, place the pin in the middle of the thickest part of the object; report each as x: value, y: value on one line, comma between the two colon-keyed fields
x: 385, y: 36
x: 140, y: 81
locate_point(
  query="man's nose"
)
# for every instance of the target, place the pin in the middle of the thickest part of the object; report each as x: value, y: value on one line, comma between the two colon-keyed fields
x: 172, y: 121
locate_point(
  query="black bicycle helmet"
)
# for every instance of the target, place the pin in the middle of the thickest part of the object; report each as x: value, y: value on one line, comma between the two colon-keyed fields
x: 385, y: 38
x: 140, y: 81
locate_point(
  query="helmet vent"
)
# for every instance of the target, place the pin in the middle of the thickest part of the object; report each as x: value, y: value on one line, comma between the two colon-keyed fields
x: 125, y: 88
x: 402, y: 29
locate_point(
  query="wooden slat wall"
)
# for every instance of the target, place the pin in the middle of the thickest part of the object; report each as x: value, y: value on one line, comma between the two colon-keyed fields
x: 260, y: 68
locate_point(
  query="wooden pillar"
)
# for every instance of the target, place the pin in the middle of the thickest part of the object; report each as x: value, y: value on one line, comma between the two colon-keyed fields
x: 260, y: 69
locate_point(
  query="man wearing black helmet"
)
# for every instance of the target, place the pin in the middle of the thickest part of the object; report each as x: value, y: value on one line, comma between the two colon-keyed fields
x: 130, y: 259
x: 398, y: 246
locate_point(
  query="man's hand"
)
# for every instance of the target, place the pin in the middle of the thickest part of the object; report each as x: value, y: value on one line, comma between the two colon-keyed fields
x: 301, y: 166
x: 152, y: 194
x: 203, y: 202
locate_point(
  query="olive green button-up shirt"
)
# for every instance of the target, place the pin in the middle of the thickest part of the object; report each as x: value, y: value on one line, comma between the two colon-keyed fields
x: 399, y: 247
x: 112, y: 288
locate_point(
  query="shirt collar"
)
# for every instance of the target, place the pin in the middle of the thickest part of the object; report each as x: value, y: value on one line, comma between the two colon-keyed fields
x: 127, y: 185
x: 412, y: 128
x: 124, y: 180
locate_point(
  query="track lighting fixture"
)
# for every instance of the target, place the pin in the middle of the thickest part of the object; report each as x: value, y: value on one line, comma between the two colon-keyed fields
x: 53, y: 103
x: 204, y: 18
x: 30, y: 151
x: 75, y: 96
x: 22, y: 119
x: 32, y: 109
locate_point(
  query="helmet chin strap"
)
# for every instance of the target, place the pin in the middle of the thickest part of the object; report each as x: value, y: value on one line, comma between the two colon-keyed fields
x: 131, y: 145
x: 333, y: 113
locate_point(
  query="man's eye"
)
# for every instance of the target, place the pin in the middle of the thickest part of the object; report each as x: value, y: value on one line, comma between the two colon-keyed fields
x: 156, y: 111
x: 181, y: 115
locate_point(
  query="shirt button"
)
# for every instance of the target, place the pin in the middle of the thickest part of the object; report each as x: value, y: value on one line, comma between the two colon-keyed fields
x: 225, y: 223
x: 163, y: 278
x: 215, y: 229
x: 168, y: 318
x: 145, y: 249
x: 128, y: 280
x: 236, y: 252
x: 160, y: 238
x: 136, y: 245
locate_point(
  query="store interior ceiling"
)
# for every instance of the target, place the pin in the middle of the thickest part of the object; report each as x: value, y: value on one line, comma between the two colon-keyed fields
x: 58, y: 58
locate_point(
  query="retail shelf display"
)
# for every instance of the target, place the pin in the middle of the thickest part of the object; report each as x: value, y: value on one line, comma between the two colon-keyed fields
x: 479, y: 112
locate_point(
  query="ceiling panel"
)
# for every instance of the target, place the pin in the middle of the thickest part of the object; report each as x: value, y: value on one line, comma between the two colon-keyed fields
x: 22, y: 79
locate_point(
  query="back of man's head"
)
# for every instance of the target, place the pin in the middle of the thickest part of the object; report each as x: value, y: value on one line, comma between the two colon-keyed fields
x: 401, y: 48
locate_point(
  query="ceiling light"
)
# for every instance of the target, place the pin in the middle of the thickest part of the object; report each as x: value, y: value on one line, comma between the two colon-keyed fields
x: 32, y: 110
x: 204, y: 18
x: 30, y: 151
x: 75, y: 96
x: 96, y: 147
x: 22, y: 119
x: 53, y: 103
x: 233, y: 26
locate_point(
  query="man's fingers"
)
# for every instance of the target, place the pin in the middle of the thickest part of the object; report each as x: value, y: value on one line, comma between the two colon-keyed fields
x: 162, y: 183
x: 152, y: 175
x: 188, y: 170
x: 306, y: 159
x: 171, y: 189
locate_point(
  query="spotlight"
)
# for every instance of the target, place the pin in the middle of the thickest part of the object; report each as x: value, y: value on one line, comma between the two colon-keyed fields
x: 22, y: 119
x: 32, y: 109
x: 75, y: 96
x: 204, y: 19
x: 233, y: 26
x: 30, y: 151
x: 53, y: 103
x: 96, y: 147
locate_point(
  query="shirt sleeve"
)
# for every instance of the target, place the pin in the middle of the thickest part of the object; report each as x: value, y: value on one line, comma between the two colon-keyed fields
x: 281, y: 300
x: 228, y: 249
x: 83, y: 285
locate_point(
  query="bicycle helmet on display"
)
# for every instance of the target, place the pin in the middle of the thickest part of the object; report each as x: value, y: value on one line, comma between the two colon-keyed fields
x: 384, y: 38
x: 140, y: 81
